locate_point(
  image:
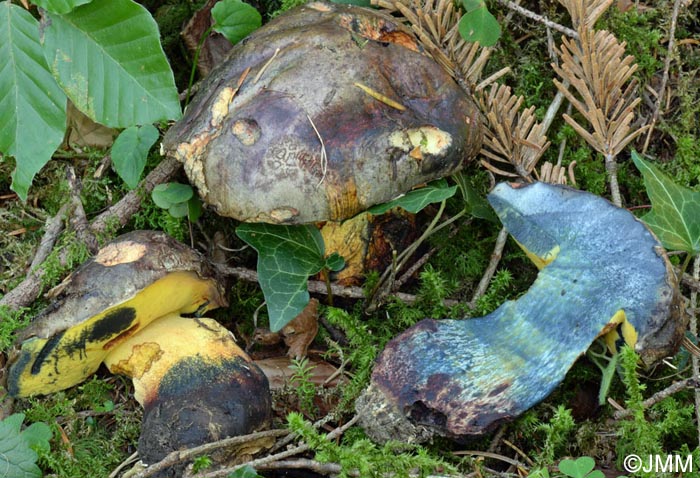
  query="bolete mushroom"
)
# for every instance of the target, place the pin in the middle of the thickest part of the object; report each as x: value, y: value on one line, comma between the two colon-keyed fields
x: 320, y: 114
x: 123, y: 308
x: 601, y: 269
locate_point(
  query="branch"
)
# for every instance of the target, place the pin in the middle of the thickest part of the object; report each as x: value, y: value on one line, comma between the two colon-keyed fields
x: 539, y: 18
x: 127, y: 206
x: 658, y: 396
x: 180, y: 456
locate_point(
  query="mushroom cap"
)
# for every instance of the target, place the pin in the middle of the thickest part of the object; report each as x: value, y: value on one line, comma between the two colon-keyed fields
x: 297, y: 139
x: 463, y: 377
x: 132, y: 281
x: 195, y: 384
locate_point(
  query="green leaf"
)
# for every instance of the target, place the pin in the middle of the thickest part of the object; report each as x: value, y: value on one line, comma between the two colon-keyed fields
x: 107, y: 57
x: 235, y: 19
x: 59, y: 6
x: 32, y: 106
x: 194, y: 208
x: 476, y: 204
x: 580, y: 468
x: 287, y: 256
x: 471, y: 5
x: 245, y: 472
x: 178, y: 210
x: 335, y: 262
x: 675, y: 213
x: 479, y: 25
x: 415, y: 200
x: 130, y: 151
x: 17, y: 449
x: 168, y: 194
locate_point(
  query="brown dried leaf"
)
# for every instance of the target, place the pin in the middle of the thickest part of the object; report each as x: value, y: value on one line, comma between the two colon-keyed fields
x: 215, y: 47
x: 85, y: 132
x: 301, y: 331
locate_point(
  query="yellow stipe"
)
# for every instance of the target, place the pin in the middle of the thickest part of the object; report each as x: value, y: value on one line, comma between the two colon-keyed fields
x: 543, y: 261
x: 620, y: 324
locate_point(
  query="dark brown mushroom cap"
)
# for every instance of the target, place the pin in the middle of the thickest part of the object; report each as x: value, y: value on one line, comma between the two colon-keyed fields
x: 132, y: 281
x: 255, y: 152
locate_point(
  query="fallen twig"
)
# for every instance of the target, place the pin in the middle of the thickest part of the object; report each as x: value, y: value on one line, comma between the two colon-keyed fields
x: 265, y: 461
x: 491, y: 268
x: 658, y: 396
x: 122, y: 210
x: 29, y: 289
x: 180, y: 456
x: 314, y: 286
x: 539, y: 18
x: 664, y: 77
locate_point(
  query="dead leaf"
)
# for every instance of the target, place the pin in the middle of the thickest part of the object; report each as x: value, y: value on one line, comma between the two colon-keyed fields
x: 215, y: 47
x: 279, y: 372
x: 301, y: 331
x: 85, y: 132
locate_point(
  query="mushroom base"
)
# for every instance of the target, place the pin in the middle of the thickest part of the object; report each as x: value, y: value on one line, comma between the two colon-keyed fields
x: 197, y: 405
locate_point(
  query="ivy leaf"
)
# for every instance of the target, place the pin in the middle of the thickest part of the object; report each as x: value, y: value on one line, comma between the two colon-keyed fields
x: 108, y: 59
x: 580, y: 468
x: 479, y: 25
x: 475, y: 203
x: 130, y: 151
x: 335, y: 262
x: 416, y: 200
x: 675, y: 214
x: 17, y: 449
x: 32, y: 105
x: 59, y: 6
x: 235, y: 19
x: 287, y: 256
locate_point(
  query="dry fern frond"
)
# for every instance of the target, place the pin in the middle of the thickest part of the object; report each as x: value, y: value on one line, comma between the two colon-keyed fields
x: 598, y: 70
x: 436, y: 24
x: 512, y: 137
x: 584, y: 13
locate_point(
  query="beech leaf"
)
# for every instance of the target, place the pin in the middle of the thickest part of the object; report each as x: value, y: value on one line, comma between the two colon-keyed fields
x: 32, y: 106
x: 107, y: 57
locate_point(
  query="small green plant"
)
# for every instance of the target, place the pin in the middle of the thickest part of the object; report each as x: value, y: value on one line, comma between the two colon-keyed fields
x: 478, y: 24
x: 358, y: 456
x: 201, y: 463
x: 580, y: 468
x: 178, y: 199
x: 303, y: 386
x: 556, y: 433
